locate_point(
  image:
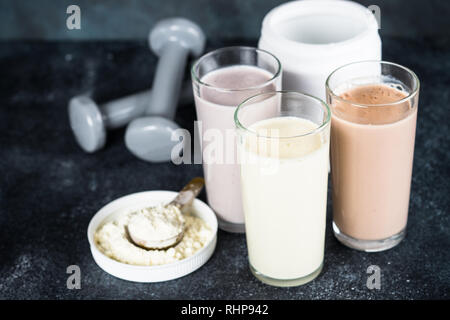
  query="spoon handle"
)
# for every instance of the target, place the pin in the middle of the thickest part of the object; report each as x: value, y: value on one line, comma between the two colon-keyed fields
x: 189, y: 192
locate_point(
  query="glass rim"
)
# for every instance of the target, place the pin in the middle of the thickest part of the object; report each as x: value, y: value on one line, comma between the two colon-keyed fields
x: 320, y: 128
x: 196, y: 78
x: 410, y: 95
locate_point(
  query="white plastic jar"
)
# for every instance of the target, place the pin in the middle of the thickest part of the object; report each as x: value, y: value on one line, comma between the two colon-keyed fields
x: 312, y: 38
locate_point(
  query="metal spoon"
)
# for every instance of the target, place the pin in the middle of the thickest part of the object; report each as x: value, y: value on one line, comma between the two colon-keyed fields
x: 184, y: 198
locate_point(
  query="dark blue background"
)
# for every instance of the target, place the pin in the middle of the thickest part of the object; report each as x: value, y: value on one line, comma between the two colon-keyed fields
x: 222, y: 19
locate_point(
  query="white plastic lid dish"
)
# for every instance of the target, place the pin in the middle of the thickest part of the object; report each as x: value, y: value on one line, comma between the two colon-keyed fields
x: 151, y: 273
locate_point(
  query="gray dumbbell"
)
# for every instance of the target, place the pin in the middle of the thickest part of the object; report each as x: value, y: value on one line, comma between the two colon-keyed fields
x: 89, y: 122
x: 149, y: 138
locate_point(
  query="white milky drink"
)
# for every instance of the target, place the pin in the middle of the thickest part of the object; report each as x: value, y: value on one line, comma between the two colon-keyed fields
x: 284, y: 178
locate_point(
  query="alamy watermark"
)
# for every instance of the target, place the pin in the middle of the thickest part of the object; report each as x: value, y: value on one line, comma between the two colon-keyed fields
x: 374, y: 280
x: 74, y: 280
x: 73, y: 21
x: 228, y: 147
x: 376, y: 11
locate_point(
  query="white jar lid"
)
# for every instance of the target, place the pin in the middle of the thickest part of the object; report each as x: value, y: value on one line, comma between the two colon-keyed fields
x: 151, y: 273
x: 311, y: 38
x: 312, y: 30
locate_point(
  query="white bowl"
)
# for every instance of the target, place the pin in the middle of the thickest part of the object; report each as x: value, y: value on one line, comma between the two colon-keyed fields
x: 151, y: 273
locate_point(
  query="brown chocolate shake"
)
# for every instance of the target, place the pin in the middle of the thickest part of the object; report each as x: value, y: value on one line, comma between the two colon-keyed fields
x: 372, y: 146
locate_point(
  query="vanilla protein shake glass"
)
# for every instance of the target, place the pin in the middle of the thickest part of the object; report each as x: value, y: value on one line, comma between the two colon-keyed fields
x: 283, y: 150
x: 221, y: 80
x: 374, y: 112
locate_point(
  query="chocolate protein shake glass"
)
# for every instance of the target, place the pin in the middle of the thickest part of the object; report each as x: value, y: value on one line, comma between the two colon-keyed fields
x: 373, y: 125
x: 221, y: 80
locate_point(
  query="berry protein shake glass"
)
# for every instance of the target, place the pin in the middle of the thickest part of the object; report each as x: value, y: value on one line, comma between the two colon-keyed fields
x: 221, y: 80
x: 373, y: 125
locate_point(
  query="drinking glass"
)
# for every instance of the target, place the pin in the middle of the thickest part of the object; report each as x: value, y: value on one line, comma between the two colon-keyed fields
x: 221, y: 80
x: 374, y: 112
x: 283, y: 146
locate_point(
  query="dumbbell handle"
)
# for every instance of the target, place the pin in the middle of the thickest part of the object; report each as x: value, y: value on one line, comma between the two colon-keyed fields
x: 167, y: 81
x: 118, y: 113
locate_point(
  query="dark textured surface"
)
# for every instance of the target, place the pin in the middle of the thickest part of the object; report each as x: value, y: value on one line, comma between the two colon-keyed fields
x: 50, y: 189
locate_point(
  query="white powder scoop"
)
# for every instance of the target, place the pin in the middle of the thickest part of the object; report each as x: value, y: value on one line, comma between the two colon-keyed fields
x: 162, y: 227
